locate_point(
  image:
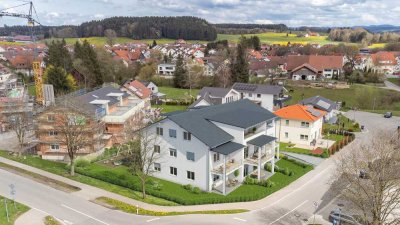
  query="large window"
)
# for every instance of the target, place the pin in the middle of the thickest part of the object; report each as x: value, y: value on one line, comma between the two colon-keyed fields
x: 172, y: 152
x: 173, y: 170
x: 305, y: 124
x: 287, y: 122
x: 190, y: 156
x: 258, y: 95
x: 190, y: 175
x: 304, y: 137
x: 160, y: 131
x: 55, y: 147
x: 187, y: 136
x: 51, y: 118
x: 157, y: 149
x: 172, y: 133
x: 157, y: 166
x: 53, y: 133
x: 216, y: 157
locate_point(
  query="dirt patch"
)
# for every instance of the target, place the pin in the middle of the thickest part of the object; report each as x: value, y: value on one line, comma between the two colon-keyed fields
x: 318, y: 151
x: 40, y: 178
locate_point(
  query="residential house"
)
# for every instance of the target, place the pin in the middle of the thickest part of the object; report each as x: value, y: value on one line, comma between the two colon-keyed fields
x: 216, y: 147
x: 304, y: 72
x: 384, y: 62
x: 154, y: 89
x: 321, y: 103
x: 166, y: 69
x: 215, y: 96
x: 137, y: 90
x: 300, y: 124
x: 114, y: 109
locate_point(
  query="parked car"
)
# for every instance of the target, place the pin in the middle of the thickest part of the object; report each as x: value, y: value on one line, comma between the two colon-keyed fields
x: 342, y: 219
x: 363, y: 174
x: 388, y: 115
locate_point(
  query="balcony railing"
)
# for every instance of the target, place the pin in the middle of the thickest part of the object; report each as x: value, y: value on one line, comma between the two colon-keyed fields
x: 230, y: 166
x: 253, y: 160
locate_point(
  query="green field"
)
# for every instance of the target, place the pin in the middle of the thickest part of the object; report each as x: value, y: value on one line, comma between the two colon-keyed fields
x: 363, y: 97
x: 177, y: 93
x: 395, y: 81
x: 279, y: 38
x: 169, y: 108
x: 14, y: 212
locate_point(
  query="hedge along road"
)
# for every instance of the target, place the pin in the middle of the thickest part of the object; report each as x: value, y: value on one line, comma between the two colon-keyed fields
x: 288, y: 206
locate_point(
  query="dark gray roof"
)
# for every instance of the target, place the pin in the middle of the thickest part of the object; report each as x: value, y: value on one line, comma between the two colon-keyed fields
x: 242, y: 113
x: 319, y: 102
x: 228, y: 148
x: 258, y: 88
x: 206, y: 97
x: 145, y: 83
x: 214, y: 91
x: 261, y: 140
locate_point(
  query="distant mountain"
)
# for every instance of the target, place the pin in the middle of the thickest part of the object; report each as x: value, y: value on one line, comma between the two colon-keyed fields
x: 381, y: 28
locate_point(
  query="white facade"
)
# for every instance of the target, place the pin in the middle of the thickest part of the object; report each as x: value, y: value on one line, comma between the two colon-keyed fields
x: 330, y: 73
x: 304, y: 77
x: 208, y: 166
x: 299, y: 132
x: 153, y: 87
x: 166, y: 69
x: 264, y: 100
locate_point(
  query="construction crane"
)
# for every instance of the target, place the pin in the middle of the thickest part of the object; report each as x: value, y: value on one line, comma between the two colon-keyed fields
x: 36, y: 65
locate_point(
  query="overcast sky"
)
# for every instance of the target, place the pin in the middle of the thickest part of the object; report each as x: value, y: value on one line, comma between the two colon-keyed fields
x: 289, y: 12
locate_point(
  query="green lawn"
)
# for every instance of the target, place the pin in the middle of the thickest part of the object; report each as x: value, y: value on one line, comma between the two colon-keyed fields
x: 170, y: 108
x: 394, y: 80
x: 14, y: 213
x: 61, y: 169
x: 121, y: 181
x: 31, y: 90
x: 345, y: 123
x: 364, y: 97
x: 178, y: 93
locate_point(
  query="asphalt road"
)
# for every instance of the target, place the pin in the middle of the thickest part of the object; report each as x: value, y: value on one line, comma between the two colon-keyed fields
x: 292, y: 205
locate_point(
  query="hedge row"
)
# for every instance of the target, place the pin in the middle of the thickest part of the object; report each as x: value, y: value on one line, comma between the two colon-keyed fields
x: 340, y: 144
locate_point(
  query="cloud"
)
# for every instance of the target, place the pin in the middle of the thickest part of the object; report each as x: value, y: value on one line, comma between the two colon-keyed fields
x: 263, y: 21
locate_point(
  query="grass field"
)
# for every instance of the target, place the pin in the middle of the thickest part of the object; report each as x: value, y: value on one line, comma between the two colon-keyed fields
x: 14, y: 213
x: 348, y: 124
x: 394, y: 80
x: 169, y: 108
x: 364, y: 97
x: 177, y: 93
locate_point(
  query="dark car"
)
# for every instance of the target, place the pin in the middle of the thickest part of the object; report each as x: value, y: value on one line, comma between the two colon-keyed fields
x: 337, y: 217
x: 388, y: 115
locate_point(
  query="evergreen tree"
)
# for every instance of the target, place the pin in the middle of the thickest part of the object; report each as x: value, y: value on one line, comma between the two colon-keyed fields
x: 256, y: 43
x: 89, y: 63
x: 58, y: 77
x: 58, y: 55
x: 240, y: 68
x: 180, y: 73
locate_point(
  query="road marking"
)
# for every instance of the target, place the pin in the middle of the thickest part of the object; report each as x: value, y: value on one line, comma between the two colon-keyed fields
x: 151, y: 220
x: 91, y: 217
x: 240, y: 219
x: 289, y: 212
x: 63, y: 222
x: 292, y: 192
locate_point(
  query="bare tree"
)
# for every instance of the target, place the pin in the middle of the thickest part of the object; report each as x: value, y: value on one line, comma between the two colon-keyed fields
x: 76, y: 131
x: 367, y: 177
x: 20, y: 125
x: 144, y: 152
x: 224, y: 75
x: 110, y: 35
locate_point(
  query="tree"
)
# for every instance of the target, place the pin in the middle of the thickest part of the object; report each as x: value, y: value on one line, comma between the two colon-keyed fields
x: 223, y: 76
x: 147, y: 71
x: 76, y: 129
x: 58, y: 77
x: 89, y: 64
x: 110, y: 35
x: 180, y: 73
x: 58, y: 55
x: 377, y: 195
x: 20, y: 125
x: 240, y: 68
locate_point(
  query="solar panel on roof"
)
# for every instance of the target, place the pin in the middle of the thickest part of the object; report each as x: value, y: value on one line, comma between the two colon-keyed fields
x: 313, y: 112
x: 246, y: 87
x: 323, y: 104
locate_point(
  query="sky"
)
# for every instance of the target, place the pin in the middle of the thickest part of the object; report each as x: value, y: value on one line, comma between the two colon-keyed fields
x: 290, y: 12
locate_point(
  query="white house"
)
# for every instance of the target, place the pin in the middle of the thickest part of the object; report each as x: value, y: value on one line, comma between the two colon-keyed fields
x: 214, y: 148
x: 198, y: 53
x: 215, y: 96
x: 166, y: 69
x: 300, y: 124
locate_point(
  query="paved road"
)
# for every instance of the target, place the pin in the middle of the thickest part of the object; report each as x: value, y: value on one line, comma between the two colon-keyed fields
x: 391, y: 86
x: 291, y: 205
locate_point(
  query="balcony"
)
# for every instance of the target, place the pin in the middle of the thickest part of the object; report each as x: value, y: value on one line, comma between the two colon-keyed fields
x: 253, y: 131
x: 231, y: 166
x: 253, y: 160
x: 123, y: 113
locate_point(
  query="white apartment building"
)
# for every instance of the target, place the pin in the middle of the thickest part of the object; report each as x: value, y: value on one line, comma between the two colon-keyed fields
x: 216, y: 147
x: 166, y: 69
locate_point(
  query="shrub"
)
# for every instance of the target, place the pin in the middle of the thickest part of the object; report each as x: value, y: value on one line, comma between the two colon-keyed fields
x: 187, y: 187
x: 268, y: 167
x: 236, y: 173
x: 291, y: 173
x: 286, y: 171
x: 196, y: 190
x: 81, y: 162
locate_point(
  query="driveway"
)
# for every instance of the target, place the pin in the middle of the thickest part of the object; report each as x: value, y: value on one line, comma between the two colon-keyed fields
x: 391, y: 86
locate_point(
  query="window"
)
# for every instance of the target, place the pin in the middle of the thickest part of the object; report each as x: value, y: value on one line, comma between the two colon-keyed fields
x: 190, y: 175
x: 304, y: 137
x: 287, y: 122
x: 305, y: 124
x: 258, y: 95
x: 286, y: 134
x: 157, y: 149
x: 54, y: 147
x: 157, y: 166
x: 216, y: 157
x: 51, y: 118
x: 172, y: 133
x: 160, y: 131
x: 173, y: 170
x: 187, y: 136
x: 53, y: 133
x: 172, y: 152
x: 190, y: 156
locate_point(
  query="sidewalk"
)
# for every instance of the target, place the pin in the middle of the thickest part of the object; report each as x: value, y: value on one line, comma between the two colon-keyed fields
x: 89, y: 192
x: 32, y: 217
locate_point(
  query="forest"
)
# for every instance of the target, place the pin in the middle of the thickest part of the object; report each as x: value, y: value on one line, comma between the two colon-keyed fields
x: 360, y: 35
x: 185, y: 27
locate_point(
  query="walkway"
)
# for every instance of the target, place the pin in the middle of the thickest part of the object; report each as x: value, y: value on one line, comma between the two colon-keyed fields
x: 32, y: 217
x: 391, y: 86
x: 305, y: 158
